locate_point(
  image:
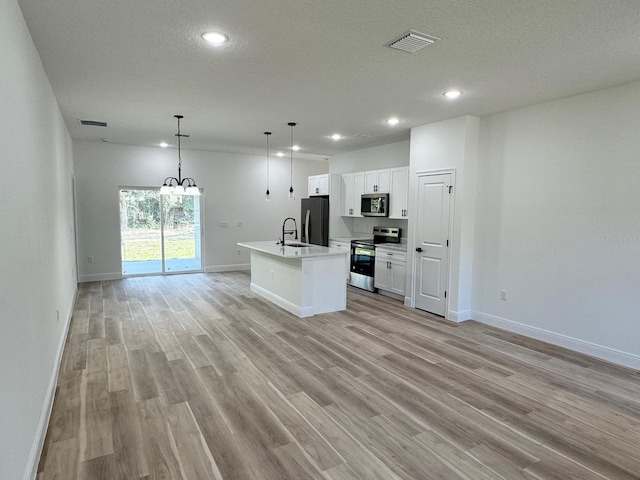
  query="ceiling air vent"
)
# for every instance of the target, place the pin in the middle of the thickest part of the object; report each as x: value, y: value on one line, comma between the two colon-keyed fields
x: 93, y: 123
x: 412, y: 41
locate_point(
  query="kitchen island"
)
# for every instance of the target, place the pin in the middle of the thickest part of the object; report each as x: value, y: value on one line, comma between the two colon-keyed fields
x: 304, y: 280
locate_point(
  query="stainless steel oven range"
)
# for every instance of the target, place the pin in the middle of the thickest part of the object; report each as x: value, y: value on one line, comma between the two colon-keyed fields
x: 363, y: 256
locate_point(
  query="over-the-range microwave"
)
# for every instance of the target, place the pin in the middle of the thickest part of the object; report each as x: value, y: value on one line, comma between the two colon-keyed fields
x: 374, y: 205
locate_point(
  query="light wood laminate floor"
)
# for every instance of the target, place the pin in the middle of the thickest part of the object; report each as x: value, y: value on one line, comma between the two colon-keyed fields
x: 194, y: 377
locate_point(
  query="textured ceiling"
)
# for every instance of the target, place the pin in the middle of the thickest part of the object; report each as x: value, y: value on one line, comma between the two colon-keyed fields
x: 321, y: 63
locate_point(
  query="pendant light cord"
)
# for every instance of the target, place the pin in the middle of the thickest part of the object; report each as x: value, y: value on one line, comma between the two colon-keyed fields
x: 267, y: 135
x: 291, y: 163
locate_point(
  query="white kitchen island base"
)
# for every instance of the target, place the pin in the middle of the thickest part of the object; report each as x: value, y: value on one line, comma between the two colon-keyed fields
x: 305, y: 281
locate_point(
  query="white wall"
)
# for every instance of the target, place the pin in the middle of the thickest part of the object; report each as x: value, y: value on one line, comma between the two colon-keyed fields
x: 374, y: 158
x: 449, y: 145
x: 558, y: 222
x: 234, y: 187
x: 38, y: 274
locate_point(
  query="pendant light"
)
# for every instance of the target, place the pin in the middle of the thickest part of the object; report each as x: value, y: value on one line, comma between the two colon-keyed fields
x: 291, y: 194
x: 267, y: 195
x: 179, y: 186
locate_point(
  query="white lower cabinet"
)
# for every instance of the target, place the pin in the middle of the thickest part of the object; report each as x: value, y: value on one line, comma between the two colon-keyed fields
x: 391, y: 266
x: 343, y: 246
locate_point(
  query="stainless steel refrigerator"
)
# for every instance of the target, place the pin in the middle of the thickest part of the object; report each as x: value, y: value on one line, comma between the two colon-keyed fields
x: 314, y: 219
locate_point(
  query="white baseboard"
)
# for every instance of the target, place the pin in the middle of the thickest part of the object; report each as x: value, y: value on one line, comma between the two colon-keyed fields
x: 625, y: 359
x: 47, y: 407
x: 283, y: 303
x: 391, y: 295
x: 99, y: 277
x: 458, y: 317
x: 227, y: 268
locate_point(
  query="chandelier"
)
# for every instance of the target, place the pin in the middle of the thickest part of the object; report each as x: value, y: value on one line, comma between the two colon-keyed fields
x: 179, y: 186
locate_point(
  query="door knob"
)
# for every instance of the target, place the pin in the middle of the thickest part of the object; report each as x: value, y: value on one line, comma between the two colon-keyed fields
x: 418, y: 249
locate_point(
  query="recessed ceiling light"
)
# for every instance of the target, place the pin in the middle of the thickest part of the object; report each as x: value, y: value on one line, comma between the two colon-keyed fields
x: 295, y: 148
x: 279, y: 154
x: 164, y: 145
x: 336, y: 136
x: 451, y: 94
x: 215, y: 38
x: 393, y: 121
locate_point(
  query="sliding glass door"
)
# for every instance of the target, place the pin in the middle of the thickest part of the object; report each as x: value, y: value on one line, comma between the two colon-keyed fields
x: 181, y: 233
x: 159, y: 233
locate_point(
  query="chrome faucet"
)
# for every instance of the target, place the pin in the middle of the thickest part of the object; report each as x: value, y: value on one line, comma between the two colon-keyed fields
x: 294, y: 231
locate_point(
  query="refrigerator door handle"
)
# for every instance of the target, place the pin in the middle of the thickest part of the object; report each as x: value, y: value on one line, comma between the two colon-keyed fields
x: 306, y: 227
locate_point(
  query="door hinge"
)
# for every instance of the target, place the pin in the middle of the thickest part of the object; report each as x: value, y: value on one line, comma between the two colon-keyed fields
x: 445, y: 294
x: 450, y: 188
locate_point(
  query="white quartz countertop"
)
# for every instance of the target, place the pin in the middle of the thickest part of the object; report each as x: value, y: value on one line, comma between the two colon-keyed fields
x: 401, y: 247
x: 347, y: 239
x: 308, y: 251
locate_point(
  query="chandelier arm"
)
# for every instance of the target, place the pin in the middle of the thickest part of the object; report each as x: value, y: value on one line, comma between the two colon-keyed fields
x: 170, y: 179
x: 190, y: 181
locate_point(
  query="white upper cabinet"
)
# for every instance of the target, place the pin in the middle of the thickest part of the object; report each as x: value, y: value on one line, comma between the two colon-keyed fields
x: 377, y: 181
x: 394, y: 181
x: 352, y: 189
x: 399, y: 193
x: 319, y: 185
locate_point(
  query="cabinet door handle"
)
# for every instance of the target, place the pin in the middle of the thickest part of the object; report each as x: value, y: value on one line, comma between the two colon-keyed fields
x: 418, y: 249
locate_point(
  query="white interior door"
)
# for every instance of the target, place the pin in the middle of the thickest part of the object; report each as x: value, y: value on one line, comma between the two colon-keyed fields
x: 431, y: 242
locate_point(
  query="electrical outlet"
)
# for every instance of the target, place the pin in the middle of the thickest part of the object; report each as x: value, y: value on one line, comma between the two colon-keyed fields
x: 503, y: 295
x: 240, y: 223
x: 239, y: 252
x: 90, y: 258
